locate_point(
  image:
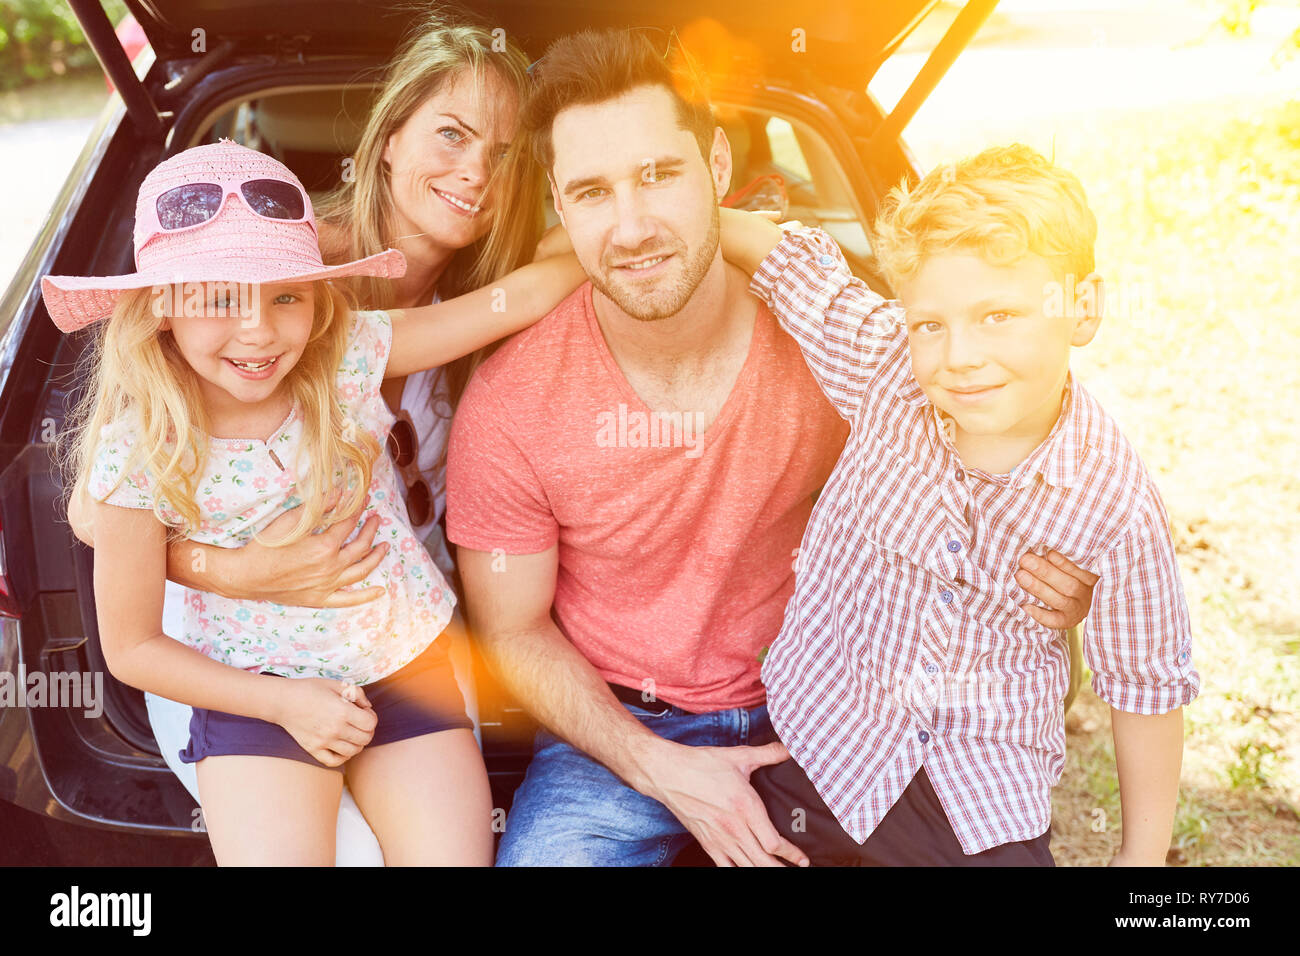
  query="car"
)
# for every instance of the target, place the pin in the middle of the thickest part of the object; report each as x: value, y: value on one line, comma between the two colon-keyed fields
x: 789, y: 81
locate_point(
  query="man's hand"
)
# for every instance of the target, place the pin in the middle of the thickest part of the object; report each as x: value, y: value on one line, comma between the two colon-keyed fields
x: 707, y: 789
x: 1059, y: 583
x: 311, y: 572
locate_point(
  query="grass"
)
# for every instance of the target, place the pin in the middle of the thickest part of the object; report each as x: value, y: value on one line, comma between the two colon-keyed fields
x: 1197, y: 360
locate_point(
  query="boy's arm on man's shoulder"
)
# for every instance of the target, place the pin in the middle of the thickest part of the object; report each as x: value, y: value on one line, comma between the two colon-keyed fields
x: 843, y: 328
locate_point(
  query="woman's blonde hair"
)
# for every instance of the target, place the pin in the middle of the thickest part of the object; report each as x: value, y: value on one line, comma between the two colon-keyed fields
x: 361, y: 210
x: 1002, y: 204
x: 137, y: 374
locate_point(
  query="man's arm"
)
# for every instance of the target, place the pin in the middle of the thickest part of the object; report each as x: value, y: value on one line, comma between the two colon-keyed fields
x: 1148, y: 757
x: 707, y: 788
x: 309, y: 573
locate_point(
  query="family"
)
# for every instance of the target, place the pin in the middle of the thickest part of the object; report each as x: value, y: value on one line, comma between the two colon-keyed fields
x: 827, y: 629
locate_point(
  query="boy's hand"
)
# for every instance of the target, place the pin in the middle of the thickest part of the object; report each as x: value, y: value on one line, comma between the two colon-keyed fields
x: 747, y: 237
x: 331, y: 720
x: 1122, y: 859
x: 1059, y: 583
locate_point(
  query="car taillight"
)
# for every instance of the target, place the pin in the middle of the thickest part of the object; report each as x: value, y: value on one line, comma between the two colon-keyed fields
x: 8, y: 606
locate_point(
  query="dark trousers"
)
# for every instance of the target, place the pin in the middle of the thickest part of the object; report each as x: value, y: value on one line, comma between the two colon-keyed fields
x: 915, y: 831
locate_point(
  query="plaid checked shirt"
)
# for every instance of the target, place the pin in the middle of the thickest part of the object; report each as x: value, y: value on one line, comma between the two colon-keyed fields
x: 904, y: 644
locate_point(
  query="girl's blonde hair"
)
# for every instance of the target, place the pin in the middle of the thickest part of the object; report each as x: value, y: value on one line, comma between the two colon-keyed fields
x: 137, y: 373
x: 361, y: 210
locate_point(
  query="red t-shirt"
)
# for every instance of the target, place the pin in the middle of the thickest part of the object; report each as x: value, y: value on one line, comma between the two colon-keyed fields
x: 676, y: 549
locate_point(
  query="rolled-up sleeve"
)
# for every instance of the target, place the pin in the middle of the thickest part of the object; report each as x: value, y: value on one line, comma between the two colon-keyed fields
x: 842, y: 327
x: 1138, y: 639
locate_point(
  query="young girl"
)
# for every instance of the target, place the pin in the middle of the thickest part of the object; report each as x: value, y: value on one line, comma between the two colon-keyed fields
x: 233, y: 382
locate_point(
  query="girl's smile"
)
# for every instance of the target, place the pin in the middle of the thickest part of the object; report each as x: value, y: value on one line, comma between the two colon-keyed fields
x: 242, y: 357
x: 255, y: 369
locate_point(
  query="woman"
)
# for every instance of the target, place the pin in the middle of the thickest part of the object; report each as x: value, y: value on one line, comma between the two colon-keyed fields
x: 428, y: 180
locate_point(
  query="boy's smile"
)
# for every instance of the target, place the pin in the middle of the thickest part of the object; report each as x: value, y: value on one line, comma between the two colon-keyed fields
x: 989, y: 354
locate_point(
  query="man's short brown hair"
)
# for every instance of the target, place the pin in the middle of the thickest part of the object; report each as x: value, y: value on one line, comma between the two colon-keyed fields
x: 598, y: 65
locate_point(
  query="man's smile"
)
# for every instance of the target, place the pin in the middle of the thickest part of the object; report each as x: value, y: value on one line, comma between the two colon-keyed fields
x: 644, y: 266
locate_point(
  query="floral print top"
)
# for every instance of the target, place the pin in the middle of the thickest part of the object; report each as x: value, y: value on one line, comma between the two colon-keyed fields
x: 246, y: 484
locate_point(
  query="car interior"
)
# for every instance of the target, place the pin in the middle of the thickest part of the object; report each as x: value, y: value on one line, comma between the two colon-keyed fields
x: 313, y: 131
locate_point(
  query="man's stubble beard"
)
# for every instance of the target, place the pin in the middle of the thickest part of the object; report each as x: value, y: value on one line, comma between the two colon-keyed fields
x: 669, y: 302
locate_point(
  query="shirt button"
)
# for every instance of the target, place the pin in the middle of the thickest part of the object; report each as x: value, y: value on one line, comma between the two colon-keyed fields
x: 954, y: 546
x: 825, y: 260
x: 945, y: 597
x: 961, y: 475
x: 923, y: 737
x: 930, y: 668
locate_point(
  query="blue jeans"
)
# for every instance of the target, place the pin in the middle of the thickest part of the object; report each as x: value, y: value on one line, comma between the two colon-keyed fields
x: 572, y: 811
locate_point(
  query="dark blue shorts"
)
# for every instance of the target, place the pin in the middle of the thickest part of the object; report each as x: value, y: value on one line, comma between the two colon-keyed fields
x: 421, y: 698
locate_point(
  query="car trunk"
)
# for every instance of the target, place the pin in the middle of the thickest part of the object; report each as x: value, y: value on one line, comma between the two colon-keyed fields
x: 812, y: 67
x: 832, y: 50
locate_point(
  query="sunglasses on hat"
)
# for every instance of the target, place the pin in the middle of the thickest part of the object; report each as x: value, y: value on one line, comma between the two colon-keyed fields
x: 194, y: 204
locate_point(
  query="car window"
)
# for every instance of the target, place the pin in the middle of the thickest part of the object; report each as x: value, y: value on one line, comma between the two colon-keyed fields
x: 313, y: 132
x: 786, y: 154
x: 816, y: 188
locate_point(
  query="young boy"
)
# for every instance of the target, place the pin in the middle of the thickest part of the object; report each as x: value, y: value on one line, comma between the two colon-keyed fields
x: 921, y: 707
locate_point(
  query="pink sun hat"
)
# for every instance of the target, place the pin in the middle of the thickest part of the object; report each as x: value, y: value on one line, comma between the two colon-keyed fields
x: 236, y: 244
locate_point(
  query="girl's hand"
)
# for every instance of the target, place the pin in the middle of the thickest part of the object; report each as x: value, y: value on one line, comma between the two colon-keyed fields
x: 312, y: 571
x: 554, y: 242
x: 331, y: 720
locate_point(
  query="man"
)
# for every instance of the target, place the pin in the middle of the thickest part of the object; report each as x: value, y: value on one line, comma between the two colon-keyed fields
x: 628, y: 482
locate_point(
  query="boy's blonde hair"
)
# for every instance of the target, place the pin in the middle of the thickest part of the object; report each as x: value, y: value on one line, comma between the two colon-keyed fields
x: 1003, y: 204
x: 136, y: 371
